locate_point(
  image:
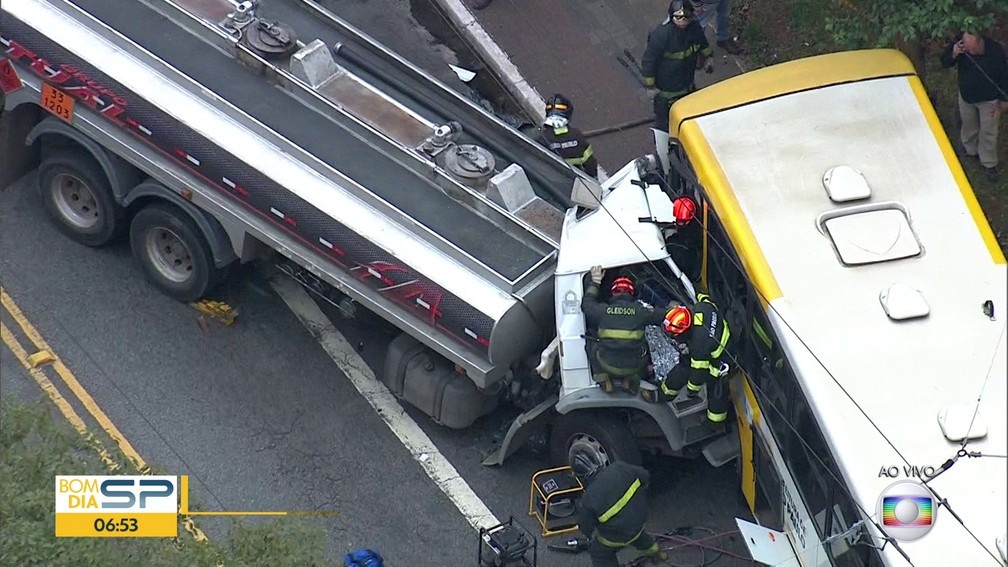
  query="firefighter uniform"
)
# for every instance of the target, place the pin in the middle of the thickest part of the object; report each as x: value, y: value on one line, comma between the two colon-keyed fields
x: 669, y: 64
x: 571, y: 145
x: 706, y: 339
x: 622, y: 349
x: 612, y: 512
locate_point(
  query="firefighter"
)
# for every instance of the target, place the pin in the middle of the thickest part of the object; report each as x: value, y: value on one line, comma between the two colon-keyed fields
x: 622, y: 350
x: 612, y: 510
x: 675, y: 50
x: 706, y: 334
x: 563, y: 139
x: 684, y: 239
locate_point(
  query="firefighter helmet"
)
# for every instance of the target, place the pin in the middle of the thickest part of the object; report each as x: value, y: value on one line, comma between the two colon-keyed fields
x: 559, y: 104
x: 623, y: 284
x: 584, y: 467
x: 677, y: 320
x: 681, y: 8
x: 684, y: 210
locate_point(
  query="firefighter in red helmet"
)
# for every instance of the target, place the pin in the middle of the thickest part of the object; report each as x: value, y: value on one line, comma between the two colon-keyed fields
x: 705, y: 333
x: 622, y: 349
x: 684, y: 239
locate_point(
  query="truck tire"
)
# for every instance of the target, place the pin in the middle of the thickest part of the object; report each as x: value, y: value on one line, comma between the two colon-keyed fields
x: 172, y: 251
x: 77, y: 195
x: 603, y: 438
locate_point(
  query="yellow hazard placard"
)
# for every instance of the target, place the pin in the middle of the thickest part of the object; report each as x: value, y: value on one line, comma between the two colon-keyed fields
x: 57, y: 102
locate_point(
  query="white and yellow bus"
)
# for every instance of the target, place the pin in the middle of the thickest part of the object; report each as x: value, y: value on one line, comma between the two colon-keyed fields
x: 867, y: 298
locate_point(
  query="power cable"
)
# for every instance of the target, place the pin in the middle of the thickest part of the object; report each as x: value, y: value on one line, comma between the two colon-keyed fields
x: 727, y: 253
x: 809, y: 451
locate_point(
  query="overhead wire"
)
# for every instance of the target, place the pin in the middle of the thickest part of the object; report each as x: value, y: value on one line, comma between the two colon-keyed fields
x: 711, y: 237
x: 798, y: 435
x: 692, y: 179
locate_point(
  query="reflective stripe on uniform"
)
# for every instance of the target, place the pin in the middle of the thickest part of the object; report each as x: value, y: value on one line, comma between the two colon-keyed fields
x: 713, y: 370
x: 717, y: 417
x: 668, y: 391
x: 559, y: 131
x: 621, y: 334
x: 724, y: 341
x: 619, y: 371
x: 615, y: 508
x: 684, y: 54
x: 610, y: 543
x: 675, y: 94
x: 580, y: 160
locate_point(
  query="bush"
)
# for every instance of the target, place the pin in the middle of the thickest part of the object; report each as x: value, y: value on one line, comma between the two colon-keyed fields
x: 34, y: 449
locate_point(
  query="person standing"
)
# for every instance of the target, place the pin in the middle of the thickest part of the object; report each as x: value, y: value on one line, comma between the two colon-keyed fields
x: 563, y: 139
x: 706, y: 335
x: 722, y: 32
x: 983, y: 94
x: 675, y: 50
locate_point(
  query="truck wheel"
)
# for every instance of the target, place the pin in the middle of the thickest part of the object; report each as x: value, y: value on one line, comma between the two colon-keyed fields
x: 172, y: 251
x: 595, y: 434
x: 77, y: 195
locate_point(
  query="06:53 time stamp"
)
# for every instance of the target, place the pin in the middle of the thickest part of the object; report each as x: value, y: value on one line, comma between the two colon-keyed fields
x: 115, y: 524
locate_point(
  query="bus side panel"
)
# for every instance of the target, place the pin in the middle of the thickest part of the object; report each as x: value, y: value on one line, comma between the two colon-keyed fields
x: 746, y: 417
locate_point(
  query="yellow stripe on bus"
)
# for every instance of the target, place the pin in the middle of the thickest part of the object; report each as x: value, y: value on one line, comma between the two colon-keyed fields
x: 786, y: 78
x: 957, y: 171
x: 728, y: 210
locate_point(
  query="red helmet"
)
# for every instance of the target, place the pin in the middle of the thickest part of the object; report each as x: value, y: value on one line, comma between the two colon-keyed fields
x: 677, y: 321
x: 684, y: 210
x: 622, y: 284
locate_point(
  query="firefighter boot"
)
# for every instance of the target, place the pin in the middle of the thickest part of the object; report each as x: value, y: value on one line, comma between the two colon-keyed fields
x: 631, y: 384
x: 604, y: 382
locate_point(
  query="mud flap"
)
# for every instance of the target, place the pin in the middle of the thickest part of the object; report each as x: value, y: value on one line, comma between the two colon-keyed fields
x: 521, y: 429
x: 767, y: 546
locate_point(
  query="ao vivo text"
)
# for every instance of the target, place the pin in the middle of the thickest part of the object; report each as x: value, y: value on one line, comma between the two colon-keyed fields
x: 907, y: 471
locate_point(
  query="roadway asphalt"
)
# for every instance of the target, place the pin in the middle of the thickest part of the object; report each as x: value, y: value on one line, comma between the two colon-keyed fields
x: 257, y: 414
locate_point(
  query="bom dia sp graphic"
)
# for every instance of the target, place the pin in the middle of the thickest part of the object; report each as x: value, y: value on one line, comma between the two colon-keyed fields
x: 117, y: 506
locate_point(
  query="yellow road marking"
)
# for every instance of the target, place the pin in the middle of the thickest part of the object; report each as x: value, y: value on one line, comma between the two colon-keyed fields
x: 50, y: 389
x: 71, y: 381
x: 65, y: 408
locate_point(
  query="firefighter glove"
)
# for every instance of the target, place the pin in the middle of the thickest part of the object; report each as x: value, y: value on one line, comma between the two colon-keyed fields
x: 596, y: 274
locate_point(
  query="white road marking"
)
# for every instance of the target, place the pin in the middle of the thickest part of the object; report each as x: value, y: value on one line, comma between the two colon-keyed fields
x: 381, y: 399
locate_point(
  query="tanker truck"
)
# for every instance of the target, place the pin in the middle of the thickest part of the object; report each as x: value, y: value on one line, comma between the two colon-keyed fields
x: 214, y: 133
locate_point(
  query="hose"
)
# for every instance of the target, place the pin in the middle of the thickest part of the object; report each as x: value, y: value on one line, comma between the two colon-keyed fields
x: 678, y: 540
x: 619, y: 127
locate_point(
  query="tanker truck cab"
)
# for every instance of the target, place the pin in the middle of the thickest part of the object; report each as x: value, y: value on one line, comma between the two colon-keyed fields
x: 623, y: 234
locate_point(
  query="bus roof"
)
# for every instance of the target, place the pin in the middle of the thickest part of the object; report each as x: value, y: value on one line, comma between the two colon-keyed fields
x: 790, y: 77
x: 762, y: 147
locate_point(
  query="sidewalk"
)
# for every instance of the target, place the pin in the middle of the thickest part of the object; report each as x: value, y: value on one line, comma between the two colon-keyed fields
x: 571, y: 47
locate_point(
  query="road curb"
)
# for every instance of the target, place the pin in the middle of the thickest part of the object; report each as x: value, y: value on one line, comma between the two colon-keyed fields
x: 528, y: 98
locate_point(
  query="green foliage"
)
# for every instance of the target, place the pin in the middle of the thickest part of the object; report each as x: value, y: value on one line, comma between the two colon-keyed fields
x: 34, y: 449
x: 884, y: 23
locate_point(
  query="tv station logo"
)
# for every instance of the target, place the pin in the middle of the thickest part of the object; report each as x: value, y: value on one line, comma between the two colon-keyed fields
x: 908, y: 510
x: 117, y: 506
